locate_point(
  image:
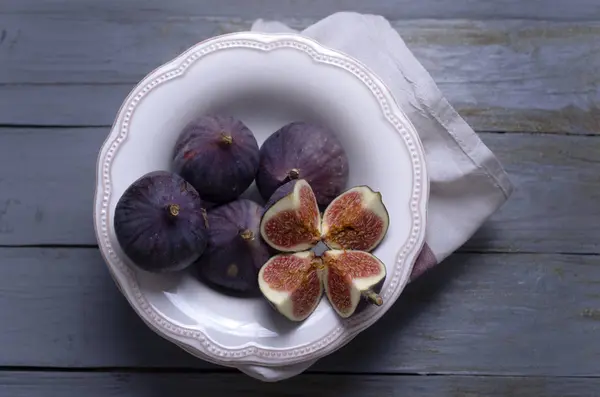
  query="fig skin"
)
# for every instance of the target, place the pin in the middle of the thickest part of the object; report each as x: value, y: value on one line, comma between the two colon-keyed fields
x: 235, y: 251
x: 280, y: 192
x: 218, y: 155
x: 160, y: 223
x: 301, y: 150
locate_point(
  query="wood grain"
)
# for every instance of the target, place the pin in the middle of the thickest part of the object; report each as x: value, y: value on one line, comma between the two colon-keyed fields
x: 494, y: 314
x: 397, y: 9
x: 24, y: 384
x: 501, y: 75
x: 47, y: 182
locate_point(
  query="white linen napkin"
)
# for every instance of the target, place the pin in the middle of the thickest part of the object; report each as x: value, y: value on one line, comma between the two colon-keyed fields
x: 468, y: 184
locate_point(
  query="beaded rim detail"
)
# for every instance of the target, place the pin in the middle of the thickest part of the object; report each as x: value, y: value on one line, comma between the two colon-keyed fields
x: 194, y: 341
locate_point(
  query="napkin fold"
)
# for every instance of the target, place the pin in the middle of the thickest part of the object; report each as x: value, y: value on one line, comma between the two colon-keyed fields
x: 467, y: 182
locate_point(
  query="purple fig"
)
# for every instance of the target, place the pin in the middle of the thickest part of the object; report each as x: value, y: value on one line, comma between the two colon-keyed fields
x: 307, y: 151
x: 218, y: 155
x: 160, y: 222
x: 235, y: 251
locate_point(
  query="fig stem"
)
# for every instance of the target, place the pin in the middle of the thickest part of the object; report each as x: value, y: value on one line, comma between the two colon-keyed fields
x: 205, y: 217
x: 173, y: 209
x: 294, y: 173
x: 232, y: 270
x: 373, y: 297
x: 247, y: 234
x: 226, y: 139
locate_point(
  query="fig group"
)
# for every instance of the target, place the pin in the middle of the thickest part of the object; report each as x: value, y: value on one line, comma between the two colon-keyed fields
x: 193, y: 217
x: 352, y: 225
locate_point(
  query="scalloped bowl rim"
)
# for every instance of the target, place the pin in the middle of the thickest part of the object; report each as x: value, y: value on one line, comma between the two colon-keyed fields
x: 195, y: 341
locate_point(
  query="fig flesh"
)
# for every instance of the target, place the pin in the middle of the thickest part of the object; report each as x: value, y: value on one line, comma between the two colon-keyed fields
x: 357, y: 220
x: 349, y: 276
x: 235, y: 251
x: 160, y: 222
x: 301, y: 150
x: 353, y: 224
x: 218, y: 155
x: 292, y: 284
x: 292, y: 220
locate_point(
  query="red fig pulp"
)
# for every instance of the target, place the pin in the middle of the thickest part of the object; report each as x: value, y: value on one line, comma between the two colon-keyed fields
x: 292, y: 284
x: 307, y: 151
x: 291, y: 221
x: 349, y: 276
x: 356, y: 219
x: 235, y: 250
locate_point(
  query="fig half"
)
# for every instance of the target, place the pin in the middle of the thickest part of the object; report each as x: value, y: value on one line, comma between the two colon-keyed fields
x: 235, y: 251
x: 302, y: 150
x: 355, y: 220
x: 349, y: 276
x: 160, y: 222
x: 218, y: 155
x: 292, y: 221
x: 292, y: 284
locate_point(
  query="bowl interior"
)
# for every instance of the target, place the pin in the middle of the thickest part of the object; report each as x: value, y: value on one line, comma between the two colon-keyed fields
x: 266, y: 90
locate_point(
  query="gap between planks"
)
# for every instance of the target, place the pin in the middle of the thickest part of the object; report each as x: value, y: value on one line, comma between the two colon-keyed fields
x: 459, y: 250
x: 92, y: 126
x: 225, y: 370
x: 501, y: 75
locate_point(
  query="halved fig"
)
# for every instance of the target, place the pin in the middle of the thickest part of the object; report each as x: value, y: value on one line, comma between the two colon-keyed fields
x: 292, y: 284
x: 349, y: 275
x: 292, y: 221
x: 355, y: 220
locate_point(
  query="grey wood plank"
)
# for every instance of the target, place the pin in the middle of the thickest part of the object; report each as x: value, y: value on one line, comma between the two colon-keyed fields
x: 40, y: 384
x: 61, y: 105
x: 474, y: 9
x: 500, y: 75
x: 47, y: 182
x: 494, y: 314
x: 555, y: 204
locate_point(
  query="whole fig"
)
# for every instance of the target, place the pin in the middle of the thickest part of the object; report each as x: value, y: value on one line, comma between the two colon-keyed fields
x: 218, y: 155
x: 301, y: 150
x: 235, y: 251
x: 160, y: 222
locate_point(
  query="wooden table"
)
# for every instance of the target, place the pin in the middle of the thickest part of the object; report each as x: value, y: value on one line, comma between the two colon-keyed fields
x: 516, y: 312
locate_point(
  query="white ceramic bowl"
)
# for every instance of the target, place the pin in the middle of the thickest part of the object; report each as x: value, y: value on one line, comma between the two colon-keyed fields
x: 266, y: 80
